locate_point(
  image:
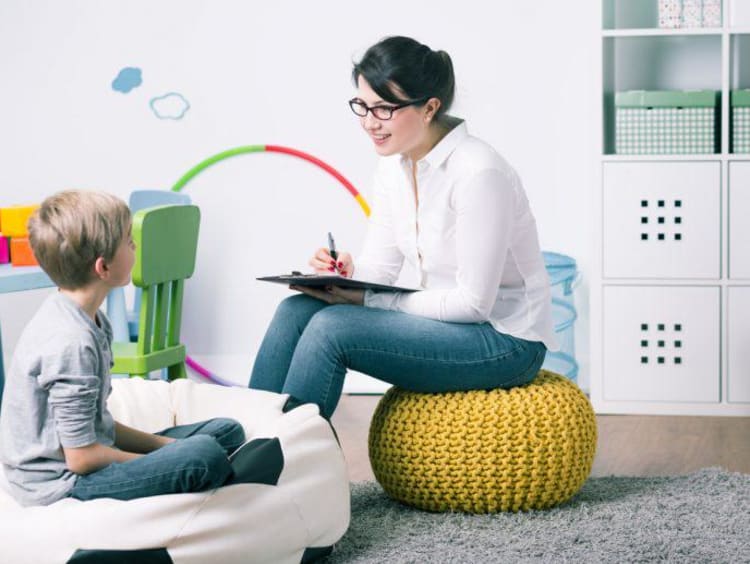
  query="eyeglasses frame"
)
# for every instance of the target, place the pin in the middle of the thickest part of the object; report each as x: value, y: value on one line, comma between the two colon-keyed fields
x: 369, y: 109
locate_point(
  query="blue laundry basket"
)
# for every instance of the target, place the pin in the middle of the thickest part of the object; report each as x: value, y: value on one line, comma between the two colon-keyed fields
x: 563, y: 276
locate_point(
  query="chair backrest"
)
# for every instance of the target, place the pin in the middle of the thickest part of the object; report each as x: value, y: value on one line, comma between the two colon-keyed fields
x: 166, y: 239
x: 124, y: 321
x: 141, y: 199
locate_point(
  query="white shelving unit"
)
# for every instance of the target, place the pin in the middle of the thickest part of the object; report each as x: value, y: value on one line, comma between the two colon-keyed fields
x: 670, y: 289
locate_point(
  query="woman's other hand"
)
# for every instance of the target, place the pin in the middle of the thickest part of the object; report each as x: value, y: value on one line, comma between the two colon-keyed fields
x: 323, y: 263
x: 334, y: 294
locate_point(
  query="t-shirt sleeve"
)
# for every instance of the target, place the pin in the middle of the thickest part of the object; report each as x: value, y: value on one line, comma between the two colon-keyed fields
x: 71, y: 378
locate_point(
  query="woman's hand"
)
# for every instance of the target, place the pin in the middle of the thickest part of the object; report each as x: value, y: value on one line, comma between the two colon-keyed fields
x: 323, y: 263
x: 334, y: 294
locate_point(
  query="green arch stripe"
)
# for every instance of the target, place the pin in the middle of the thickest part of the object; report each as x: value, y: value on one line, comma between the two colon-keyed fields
x: 210, y: 161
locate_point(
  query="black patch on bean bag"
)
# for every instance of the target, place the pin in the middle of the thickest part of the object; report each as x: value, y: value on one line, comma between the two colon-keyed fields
x: 315, y: 553
x: 335, y: 434
x: 292, y: 403
x: 259, y: 461
x: 142, y: 556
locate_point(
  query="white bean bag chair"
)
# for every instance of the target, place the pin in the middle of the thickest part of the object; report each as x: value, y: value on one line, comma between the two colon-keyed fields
x: 296, y: 520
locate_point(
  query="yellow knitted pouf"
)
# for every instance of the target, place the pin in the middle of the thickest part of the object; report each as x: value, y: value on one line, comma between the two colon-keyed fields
x: 529, y: 447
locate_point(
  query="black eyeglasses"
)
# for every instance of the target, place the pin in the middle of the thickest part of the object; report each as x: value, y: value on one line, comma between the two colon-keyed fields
x: 379, y: 112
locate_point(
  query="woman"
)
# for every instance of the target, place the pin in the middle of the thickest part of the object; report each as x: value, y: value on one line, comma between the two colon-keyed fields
x: 450, y: 205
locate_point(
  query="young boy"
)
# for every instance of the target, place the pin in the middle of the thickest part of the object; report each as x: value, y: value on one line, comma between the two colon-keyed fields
x: 58, y: 438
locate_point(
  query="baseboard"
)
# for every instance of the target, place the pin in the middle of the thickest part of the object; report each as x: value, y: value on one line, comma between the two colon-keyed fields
x: 236, y: 369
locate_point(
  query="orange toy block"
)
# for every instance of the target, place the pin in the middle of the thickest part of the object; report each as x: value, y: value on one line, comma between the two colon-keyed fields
x: 14, y: 219
x: 21, y: 253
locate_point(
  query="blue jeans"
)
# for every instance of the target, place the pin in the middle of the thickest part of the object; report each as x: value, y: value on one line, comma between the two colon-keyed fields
x: 196, y: 461
x: 310, y: 344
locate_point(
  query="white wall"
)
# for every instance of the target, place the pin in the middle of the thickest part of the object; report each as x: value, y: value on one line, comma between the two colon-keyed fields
x: 278, y: 73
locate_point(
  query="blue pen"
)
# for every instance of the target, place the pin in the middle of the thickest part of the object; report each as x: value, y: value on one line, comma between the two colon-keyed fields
x: 332, y: 250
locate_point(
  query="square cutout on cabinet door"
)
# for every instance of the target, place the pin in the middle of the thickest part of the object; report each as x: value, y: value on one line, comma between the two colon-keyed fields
x: 662, y: 343
x: 661, y: 220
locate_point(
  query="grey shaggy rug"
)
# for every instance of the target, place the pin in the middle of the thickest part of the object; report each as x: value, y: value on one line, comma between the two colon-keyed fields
x: 701, y: 517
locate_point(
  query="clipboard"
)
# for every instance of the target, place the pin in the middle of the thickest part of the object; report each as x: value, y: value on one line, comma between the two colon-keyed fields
x: 321, y: 280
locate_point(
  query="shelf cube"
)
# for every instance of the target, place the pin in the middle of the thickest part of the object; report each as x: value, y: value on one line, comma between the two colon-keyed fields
x: 662, y: 343
x: 661, y: 220
x: 654, y: 122
x: 738, y: 359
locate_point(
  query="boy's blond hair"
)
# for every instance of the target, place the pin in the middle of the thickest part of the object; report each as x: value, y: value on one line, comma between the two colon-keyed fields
x: 72, y: 229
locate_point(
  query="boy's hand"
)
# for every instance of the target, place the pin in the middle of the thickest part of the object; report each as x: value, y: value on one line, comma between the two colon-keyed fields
x: 84, y: 460
x: 164, y: 440
x: 133, y: 440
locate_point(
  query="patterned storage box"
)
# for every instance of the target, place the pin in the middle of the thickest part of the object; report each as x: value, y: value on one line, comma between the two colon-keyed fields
x: 690, y: 13
x: 712, y: 13
x: 670, y: 13
x: 666, y: 122
x: 740, y: 105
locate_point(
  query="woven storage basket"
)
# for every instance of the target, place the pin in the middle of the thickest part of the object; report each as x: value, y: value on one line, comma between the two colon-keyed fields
x: 665, y: 122
x: 529, y: 447
x: 740, y: 121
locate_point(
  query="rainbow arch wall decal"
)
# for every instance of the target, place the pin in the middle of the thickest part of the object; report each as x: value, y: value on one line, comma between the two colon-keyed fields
x: 246, y: 149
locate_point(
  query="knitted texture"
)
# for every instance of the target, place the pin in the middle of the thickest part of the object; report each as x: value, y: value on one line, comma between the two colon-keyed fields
x: 529, y: 447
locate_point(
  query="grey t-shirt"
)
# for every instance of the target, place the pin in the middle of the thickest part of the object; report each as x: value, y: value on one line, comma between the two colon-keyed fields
x: 55, y: 396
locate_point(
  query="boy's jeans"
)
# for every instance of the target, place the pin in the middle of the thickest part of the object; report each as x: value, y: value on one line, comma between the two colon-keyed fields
x: 196, y: 461
x: 310, y: 344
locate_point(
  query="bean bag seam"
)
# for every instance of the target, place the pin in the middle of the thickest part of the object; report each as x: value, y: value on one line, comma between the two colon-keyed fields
x: 190, y: 517
x: 308, y: 534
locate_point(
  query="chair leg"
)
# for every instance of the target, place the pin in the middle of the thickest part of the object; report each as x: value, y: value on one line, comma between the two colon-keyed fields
x: 177, y: 371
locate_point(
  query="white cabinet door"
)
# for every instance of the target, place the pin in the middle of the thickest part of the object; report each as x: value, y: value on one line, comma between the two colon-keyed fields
x: 738, y: 344
x: 739, y: 219
x: 662, y: 220
x: 661, y: 343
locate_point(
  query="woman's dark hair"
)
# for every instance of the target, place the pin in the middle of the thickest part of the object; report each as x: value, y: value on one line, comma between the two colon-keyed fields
x: 411, y: 67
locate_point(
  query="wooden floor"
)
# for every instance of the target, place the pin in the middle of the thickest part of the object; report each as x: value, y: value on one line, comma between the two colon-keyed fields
x: 628, y: 445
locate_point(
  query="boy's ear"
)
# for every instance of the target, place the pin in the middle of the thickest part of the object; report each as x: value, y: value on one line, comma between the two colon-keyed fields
x: 101, y: 270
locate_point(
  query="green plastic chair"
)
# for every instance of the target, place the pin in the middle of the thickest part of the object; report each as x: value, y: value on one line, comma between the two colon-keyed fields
x: 166, y: 238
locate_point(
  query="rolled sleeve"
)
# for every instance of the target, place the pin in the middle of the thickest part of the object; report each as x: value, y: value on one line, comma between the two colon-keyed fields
x: 71, y: 379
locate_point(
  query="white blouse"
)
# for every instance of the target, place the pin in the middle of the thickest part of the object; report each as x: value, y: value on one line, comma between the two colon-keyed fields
x: 472, y: 239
